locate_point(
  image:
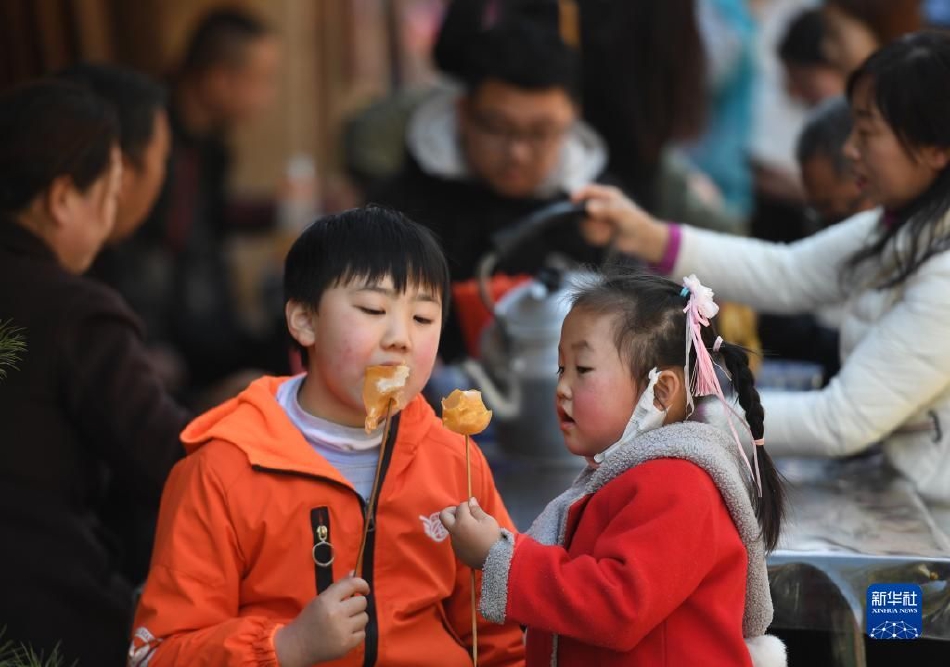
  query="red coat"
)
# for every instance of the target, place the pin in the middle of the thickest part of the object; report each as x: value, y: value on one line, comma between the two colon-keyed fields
x: 653, y: 574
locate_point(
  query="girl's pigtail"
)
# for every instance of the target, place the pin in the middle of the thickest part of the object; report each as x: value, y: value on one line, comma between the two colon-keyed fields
x: 770, y: 508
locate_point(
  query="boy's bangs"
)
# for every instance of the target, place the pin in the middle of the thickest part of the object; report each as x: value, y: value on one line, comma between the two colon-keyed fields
x: 405, y: 275
x: 409, y: 256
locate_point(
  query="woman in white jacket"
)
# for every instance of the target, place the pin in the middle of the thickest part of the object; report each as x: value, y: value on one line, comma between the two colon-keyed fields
x: 888, y: 268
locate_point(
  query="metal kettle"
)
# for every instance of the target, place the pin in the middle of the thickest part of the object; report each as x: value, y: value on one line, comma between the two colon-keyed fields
x: 517, y: 371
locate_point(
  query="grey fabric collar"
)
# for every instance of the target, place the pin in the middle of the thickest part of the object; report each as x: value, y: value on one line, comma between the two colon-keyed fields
x: 712, y: 450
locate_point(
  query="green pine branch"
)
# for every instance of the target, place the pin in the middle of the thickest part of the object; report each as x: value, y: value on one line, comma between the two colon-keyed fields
x: 18, y: 655
x: 12, y: 347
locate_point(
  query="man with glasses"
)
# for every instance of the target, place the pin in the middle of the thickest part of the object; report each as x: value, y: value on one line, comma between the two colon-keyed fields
x: 508, y: 144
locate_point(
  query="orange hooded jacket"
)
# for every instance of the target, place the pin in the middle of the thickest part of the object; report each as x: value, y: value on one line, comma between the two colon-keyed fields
x: 241, y: 516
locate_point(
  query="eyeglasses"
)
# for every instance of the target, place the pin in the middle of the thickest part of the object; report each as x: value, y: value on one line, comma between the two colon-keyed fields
x: 500, y: 135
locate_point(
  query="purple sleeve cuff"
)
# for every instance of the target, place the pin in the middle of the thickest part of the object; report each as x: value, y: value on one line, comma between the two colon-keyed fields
x: 665, y: 266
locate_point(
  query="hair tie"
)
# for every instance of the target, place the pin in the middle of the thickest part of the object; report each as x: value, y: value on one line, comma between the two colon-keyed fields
x: 684, y: 291
x: 759, y: 443
x: 701, y: 379
x: 718, y: 344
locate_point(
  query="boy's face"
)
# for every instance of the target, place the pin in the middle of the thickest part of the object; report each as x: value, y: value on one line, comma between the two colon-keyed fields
x: 359, y: 325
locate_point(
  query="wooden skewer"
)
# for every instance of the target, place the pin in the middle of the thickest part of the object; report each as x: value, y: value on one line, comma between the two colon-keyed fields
x: 370, y: 520
x: 468, y: 471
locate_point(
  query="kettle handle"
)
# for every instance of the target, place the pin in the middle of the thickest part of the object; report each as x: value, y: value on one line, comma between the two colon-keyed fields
x: 513, y: 236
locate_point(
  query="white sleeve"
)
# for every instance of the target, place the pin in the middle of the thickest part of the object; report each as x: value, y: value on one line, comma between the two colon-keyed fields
x: 774, y: 277
x: 896, y: 371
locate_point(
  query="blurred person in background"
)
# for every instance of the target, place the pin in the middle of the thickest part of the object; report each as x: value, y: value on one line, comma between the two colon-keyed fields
x: 810, y: 77
x: 507, y: 145
x: 832, y: 193
x: 831, y: 196
x: 642, y: 108
x: 854, y: 29
x: 144, y: 141
x: 176, y: 274
x: 84, y: 406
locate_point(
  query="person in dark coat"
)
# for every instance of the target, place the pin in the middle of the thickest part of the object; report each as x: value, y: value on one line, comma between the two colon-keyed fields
x: 509, y: 144
x: 175, y: 271
x: 83, y: 403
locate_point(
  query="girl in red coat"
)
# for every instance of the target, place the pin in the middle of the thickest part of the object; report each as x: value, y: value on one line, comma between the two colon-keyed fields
x: 656, y: 554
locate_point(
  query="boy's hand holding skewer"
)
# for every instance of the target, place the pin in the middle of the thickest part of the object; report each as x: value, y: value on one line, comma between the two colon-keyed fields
x: 329, y: 627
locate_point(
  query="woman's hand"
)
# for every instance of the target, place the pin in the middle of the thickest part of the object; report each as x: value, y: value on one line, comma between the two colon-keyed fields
x: 613, y: 217
x: 473, y: 532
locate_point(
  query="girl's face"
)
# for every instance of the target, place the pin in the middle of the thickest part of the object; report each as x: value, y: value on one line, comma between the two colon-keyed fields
x: 596, y: 394
x: 884, y: 168
x: 848, y: 41
x: 359, y: 325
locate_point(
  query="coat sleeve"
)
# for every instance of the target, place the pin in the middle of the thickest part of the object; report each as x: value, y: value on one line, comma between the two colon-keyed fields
x: 118, y: 401
x: 497, y: 644
x: 188, y: 613
x: 652, y: 555
x: 774, y: 277
x: 896, y: 371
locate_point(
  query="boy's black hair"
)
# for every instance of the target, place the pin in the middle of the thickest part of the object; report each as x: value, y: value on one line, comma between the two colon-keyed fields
x: 650, y: 331
x: 825, y: 133
x: 135, y: 97
x: 523, y: 55
x: 907, y: 82
x: 802, y: 42
x: 220, y: 39
x: 366, y: 244
x: 51, y: 128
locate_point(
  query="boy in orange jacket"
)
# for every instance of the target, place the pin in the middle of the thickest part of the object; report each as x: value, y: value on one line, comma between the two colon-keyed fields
x: 261, y: 523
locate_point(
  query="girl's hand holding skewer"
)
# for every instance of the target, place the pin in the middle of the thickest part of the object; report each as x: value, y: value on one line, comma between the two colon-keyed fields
x: 473, y: 532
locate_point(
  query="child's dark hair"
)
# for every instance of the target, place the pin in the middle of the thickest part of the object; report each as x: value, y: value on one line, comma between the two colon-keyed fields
x: 525, y: 55
x: 801, y: 44
x: 136, y: 98
x: 650, y: 331
x: 220, y: 39
x: 364, y: 244
x: 825, y: 133
x: 48, y: 129
x: 907, y: 81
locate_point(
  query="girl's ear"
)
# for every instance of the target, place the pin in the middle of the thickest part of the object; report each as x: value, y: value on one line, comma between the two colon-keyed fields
x: 669, y: 390
x: 300, y: 323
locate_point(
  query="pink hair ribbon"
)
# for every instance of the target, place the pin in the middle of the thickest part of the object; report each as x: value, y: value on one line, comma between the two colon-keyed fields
x: 702, y: 380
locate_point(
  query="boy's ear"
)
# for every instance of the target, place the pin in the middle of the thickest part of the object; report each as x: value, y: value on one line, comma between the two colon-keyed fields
x: 300, y: 323
x: 668, y: 389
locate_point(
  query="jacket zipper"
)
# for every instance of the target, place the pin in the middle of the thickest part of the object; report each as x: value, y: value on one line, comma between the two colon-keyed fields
x: 371, y: 643
x: 322, y: 552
